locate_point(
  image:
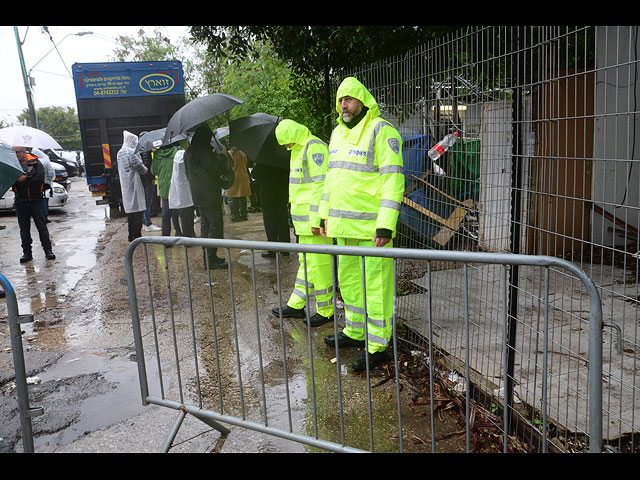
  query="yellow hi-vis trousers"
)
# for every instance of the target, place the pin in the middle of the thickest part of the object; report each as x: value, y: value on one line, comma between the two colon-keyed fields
x: 319, y: 278
x: 379, y: 290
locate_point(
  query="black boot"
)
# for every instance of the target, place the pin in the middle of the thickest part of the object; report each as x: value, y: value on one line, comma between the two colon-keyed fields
x: 343, y: 341
x: 375, y: 359
x: 49, y: 254
x: 318, y: 320
x: 26, y: 257
x: 288, y: 312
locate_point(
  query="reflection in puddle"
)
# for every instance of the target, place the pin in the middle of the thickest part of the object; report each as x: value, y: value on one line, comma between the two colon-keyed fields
x: 47, y: 283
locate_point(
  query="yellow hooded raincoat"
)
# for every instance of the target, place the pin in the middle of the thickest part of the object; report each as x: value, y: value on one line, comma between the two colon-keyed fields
x: 307, y: 169
x: 362, y: 193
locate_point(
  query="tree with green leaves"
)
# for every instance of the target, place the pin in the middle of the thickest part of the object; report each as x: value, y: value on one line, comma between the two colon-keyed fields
x: 315, y: 53
x: 260, y: 78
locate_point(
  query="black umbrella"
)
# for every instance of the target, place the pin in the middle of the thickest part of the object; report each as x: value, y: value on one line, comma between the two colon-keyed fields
x: 198, y: 111
x: 255, y: 136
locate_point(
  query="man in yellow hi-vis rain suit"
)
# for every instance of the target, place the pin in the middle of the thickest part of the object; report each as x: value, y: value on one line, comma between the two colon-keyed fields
x: 359, y: 207
x: 308, y: 166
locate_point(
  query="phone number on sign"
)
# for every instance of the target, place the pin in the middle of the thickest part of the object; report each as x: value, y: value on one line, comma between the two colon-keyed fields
x: 105, y: 93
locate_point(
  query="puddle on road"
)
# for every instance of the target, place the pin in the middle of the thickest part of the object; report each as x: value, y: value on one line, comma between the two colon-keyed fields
x: 112, y: 394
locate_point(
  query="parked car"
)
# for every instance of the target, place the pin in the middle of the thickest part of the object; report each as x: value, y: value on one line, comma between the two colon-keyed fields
x: 58, y: 199
x: 62, y: 177
x: 72, y: 167
x: 75, y: 155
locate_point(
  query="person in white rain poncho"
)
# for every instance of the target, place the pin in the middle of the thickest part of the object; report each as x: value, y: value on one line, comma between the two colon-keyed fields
x: 180, y: 195
x: 130, y: 167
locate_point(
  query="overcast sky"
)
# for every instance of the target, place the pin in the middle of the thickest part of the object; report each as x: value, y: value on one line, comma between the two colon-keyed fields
x: 51, y: 67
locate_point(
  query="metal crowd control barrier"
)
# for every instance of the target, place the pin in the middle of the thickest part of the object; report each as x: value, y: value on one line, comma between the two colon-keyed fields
x: 207, y: 346
x: 15, y: 319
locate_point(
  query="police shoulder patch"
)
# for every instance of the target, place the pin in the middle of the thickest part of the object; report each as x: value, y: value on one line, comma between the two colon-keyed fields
x: 318, y: 158
x: 394, y: 144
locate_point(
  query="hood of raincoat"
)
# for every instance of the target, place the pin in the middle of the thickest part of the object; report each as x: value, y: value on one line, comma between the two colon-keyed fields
x: 130, y: 140
x: 352, y: 87
x: 289, y: 131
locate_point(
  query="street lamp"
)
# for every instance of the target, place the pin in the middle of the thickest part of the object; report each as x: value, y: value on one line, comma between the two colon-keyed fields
x: 55, y: 46
x: 26, y: 76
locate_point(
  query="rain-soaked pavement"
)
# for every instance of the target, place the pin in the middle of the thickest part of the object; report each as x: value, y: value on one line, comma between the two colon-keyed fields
x: 80, y: 347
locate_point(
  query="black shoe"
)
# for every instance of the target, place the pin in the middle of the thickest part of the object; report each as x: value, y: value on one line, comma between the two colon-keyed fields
x: 343, y: 341
x: 218, y: 264
x: 268, y: 254
x: 49, y: 255
x: 26, y: 258
x: 375, y: 359
x: 318, y: 320
x: 288, y: 312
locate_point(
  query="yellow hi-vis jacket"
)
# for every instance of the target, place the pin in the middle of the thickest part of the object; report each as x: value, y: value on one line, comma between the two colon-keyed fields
x: 307, y: 170
x: 365, y: 176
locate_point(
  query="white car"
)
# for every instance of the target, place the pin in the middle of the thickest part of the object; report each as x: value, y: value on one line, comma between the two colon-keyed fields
x: 58, y: 199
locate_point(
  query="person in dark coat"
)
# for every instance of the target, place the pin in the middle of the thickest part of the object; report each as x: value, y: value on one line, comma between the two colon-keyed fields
x: 29, y: 203
x: 274, y: 197
x: 207, y: 177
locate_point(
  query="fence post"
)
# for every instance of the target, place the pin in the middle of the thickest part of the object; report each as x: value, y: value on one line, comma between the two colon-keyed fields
x: 26, y: 412
x: 516, y: 213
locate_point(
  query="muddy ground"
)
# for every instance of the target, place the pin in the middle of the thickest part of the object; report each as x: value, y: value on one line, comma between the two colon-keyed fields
x: 79, y: 350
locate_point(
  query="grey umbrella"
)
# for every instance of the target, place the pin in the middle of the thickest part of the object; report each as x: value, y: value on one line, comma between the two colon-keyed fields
x: 10, y: 168
x: 150, y: 140
x: 154, y: 139
x: 255, y: 136
x: 198, y: 111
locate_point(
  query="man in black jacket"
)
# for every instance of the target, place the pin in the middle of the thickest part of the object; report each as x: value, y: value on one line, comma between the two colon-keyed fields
x: 207, y: 176
x: 29, y: 202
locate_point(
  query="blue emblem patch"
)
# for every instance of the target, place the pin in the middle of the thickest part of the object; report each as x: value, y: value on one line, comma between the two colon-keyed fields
x: 394, y: 144
x: 318, y: 158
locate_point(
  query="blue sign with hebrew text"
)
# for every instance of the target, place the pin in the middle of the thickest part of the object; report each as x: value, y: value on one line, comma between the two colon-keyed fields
x: 127, y: 79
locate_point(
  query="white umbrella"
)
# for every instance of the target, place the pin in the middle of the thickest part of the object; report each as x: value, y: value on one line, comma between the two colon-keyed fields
x: 23, y: 136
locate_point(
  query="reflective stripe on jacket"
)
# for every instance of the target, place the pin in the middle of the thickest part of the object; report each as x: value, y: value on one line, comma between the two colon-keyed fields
x: 365, y: 176
x: 307, y: 170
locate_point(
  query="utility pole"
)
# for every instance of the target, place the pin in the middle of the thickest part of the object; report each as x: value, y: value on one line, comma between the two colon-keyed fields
x: 27, y: 87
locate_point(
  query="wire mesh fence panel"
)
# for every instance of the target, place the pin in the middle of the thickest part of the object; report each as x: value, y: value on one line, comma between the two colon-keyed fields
x: 545, y: 163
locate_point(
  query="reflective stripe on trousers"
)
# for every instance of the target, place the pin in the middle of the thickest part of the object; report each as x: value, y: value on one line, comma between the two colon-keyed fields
x: 379, y: 285
x: 319, y: 277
